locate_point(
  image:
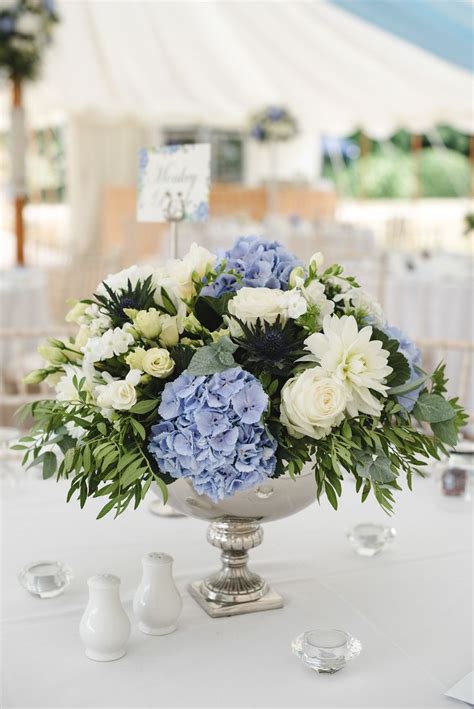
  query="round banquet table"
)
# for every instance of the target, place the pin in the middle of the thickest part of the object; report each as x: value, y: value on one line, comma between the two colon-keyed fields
x: 409, y: 606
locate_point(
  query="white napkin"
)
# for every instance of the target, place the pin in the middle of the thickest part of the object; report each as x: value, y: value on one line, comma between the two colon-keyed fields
x: 463, y: 690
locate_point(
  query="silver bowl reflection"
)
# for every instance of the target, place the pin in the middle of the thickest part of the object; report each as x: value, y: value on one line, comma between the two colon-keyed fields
x: 271, y: 500
x: 235, y: 529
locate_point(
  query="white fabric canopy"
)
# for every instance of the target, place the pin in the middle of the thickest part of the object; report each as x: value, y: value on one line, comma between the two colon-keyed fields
x: 215, y: 62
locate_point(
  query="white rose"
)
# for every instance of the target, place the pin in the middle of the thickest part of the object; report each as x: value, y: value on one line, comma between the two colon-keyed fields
x: 157, y: 362
x: 199, y: 260
x: 266, y: 304
x: 312, y: 403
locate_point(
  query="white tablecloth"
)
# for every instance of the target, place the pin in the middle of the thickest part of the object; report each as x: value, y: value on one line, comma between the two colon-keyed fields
x: 409, y: 606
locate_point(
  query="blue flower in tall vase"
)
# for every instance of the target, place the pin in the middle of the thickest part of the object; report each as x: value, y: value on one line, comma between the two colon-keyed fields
x: 413, y: 356
x: 261, y: 264
x: 212, y: 432
x: 142, y: 158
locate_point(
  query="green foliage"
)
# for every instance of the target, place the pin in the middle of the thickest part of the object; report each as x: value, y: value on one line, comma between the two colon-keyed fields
x: 110, y: 460
x: 209, y: 310
x: 213, y: 358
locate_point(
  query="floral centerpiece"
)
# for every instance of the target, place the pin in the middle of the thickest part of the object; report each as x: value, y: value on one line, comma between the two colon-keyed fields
x: 273, y: 123
x: 228, y: 371
x: 26, y: 28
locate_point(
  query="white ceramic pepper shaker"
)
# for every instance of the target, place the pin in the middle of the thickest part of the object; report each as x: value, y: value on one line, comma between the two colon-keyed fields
x: 105, y: 627
x: 157, y: 603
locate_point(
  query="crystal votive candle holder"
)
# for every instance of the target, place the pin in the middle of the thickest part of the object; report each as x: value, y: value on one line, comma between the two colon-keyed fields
x: 45, y: 579
x: 326, y: 651
x: 368, y: 539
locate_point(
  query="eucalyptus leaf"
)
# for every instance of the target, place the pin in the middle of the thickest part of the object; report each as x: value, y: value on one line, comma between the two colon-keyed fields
x: 377, y: 468
x: 408, y: 387
x: 213, y: 358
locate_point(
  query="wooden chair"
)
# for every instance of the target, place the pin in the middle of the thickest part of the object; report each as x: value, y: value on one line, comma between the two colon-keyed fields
x: 459, y: 358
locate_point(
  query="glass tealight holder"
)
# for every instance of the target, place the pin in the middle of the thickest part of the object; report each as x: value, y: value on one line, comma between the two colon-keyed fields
x: 326, y: 651
x: 368, y: 539
x: 45, y: 579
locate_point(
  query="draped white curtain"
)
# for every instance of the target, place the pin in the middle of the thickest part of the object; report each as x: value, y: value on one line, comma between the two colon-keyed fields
x: 99, y: 154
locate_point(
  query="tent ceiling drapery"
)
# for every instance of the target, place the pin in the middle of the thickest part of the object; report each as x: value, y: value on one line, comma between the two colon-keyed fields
x: 215, y: 62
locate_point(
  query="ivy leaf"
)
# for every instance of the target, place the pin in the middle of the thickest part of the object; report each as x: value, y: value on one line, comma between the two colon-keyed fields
x: 433, y: 408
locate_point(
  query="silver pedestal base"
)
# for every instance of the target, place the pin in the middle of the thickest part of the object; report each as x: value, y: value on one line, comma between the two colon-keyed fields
x: 270, y: 601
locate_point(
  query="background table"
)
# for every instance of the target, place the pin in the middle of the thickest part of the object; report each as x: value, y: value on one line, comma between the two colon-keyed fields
x: 410, y: 607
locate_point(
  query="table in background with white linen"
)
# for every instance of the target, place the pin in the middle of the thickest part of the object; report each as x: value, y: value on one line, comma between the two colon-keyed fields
x: 410, y: 607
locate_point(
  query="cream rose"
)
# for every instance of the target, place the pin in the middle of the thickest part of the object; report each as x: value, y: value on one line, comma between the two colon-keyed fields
x: 251, y: 304
x: 119, y: 394
x: 157, y: 362
x: 169, y: 335
x: 312, y: 404
x: 148, y: 323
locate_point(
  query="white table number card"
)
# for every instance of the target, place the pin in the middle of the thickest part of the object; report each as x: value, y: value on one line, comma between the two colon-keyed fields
x: 174, y: 171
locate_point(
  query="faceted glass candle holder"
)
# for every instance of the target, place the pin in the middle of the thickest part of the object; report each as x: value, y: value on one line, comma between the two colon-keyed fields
x: 45, y: 579
x: 326, y: 651
x: 369, y: 539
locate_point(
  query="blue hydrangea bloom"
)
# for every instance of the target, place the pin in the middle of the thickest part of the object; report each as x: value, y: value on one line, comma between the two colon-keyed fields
x: 408, y: 348
x: 262, y: 264
x: 212, y: 432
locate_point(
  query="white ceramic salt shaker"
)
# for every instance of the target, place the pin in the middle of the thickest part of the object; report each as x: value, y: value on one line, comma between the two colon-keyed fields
x: 157, y: 603
x: 105, y: 627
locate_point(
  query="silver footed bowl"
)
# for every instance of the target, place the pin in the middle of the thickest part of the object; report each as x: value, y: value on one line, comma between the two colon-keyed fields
x: 235, y: 530
x: 268, y: 501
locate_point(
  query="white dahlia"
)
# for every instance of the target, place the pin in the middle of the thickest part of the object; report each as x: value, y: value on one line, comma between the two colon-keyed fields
x: 357, y: 361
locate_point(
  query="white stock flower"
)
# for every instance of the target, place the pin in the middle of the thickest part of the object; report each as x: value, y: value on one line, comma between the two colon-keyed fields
x: 315, y: 295
x: 97, y: 321
x: 157, y: 362
x: 111, y: 343
x: 364, y: 304
x: 65, y: 388
x: 266, y: 304
x: 118, y: 394
x: 312, y: 403
x: 357, y: 361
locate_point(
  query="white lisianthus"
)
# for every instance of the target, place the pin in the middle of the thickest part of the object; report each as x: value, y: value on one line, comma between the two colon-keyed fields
x: 176, y: 278
x: 111, y: 343
x: 77, y: 312
x: 316, y: 260
x: 364, y: 304
x: 312, y: 403
x: 266, y: 304
x: 157, y: 362
x: 148, y: 323
x: 199, y: 260
x: 118, y: 281
x: 352, y: 357
x: 118, y: 394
